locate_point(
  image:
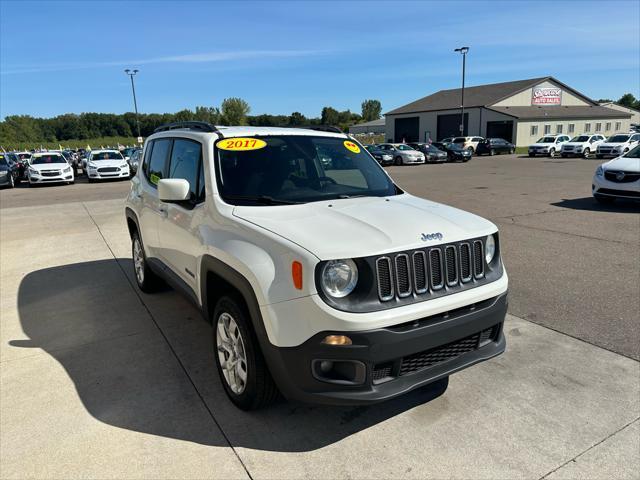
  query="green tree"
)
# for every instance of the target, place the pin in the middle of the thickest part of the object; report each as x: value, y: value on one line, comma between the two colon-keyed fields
x: 371, y: 110
x: 330, y: 116
x: 296, y: 118
x: 235, y: 111
x: 628, y: 100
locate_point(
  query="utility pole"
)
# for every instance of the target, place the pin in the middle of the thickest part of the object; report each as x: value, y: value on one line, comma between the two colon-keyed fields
x: 131, y: 74
x: 463, y: 51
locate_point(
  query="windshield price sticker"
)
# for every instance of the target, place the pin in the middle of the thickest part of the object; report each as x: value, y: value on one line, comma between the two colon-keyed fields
x: 241, y: 144
x: 154, y: 179
x: 352, y: 147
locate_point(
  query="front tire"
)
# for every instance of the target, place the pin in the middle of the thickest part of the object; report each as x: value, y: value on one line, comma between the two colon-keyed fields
x: 399, y: 161
x: 147, y: 281
x: 586, y: 153
x: 512, y: 151
x: 552, y: 153
x: 12, y: 182
x: 241, y: 365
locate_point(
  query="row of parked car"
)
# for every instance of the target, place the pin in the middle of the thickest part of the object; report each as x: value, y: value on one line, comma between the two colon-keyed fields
x: 458, y: 149
x: 62, y: 166
x: 585, y: 145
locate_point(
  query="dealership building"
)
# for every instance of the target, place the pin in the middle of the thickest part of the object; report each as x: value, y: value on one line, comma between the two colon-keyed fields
x: 520, y: 112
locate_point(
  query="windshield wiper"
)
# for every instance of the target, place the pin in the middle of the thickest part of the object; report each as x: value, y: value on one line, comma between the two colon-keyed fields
x: 344, y: 195
x: 264, y: 199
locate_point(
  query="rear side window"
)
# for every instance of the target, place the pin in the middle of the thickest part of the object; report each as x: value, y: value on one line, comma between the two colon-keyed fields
x: 158, y: 160
x: 186, y: 164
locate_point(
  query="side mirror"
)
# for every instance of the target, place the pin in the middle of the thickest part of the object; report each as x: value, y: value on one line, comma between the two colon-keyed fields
x: 127, y: 158
x: 173, y: 190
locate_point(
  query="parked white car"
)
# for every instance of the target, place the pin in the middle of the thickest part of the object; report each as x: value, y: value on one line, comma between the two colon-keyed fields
x: 618, y: 178
x: 106, y: 164
x: 49, y: 167
x: 617, y: 144
x: 468, y: 143
x: 582, y: 145
x: 323, y: 279
x: 549, y: 145
x: 402, y: 153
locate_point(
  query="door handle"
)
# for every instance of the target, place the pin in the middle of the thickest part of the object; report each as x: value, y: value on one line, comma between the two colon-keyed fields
x: 163, y: 211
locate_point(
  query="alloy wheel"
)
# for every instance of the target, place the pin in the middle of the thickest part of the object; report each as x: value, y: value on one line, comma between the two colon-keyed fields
x: 231, y: 353
x: 138, y: 261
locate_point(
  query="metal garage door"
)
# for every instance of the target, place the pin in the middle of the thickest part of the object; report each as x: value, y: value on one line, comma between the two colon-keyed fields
x: 407, y: 129
x: 503, y: 129
x: 449, y: 125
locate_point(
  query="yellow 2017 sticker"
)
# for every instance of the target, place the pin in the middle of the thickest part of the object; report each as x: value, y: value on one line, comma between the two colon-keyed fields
x: 241, y: 144
x: 154, y: 179
x: 352, y: 147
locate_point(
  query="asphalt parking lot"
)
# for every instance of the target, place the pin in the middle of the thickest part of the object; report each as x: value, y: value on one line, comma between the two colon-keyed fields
x: 100, y: 380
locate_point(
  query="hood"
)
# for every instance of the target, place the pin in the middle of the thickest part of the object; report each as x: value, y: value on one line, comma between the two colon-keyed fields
x: 360, y: 227
x: 108, y: 163
x: 612, y: 144
x: 49, y: 166
x: 542, y: 145
x: 626, y: 164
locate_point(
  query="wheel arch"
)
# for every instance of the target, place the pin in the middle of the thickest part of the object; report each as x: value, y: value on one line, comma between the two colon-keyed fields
x: 132, y: 221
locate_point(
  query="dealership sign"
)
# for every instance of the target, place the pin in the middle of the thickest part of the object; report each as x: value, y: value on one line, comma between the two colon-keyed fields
x: 546, y: 96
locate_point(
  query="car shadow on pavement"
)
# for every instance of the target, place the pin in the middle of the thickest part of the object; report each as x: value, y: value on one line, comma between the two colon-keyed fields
x: 126, y: 372
x: 621, y: 205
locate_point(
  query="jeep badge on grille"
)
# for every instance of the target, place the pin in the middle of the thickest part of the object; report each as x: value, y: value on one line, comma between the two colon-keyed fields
x: 431, y: 236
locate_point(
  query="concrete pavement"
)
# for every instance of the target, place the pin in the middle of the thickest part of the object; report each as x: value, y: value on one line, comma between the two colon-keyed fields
x: 100, y: 380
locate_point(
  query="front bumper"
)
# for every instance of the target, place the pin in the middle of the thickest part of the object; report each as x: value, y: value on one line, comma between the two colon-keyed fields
x: 412, y: 160
x: 64, y: 177
x: 97, y: 175
x: 392, y: 360
x: 604, y: 187
x: 437, y: 158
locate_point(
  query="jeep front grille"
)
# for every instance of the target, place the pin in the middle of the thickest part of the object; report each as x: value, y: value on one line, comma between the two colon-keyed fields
x: 430, y: 270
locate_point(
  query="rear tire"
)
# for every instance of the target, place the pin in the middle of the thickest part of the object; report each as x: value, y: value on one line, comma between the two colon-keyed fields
x: 243, y: 371
x: 147, y: 281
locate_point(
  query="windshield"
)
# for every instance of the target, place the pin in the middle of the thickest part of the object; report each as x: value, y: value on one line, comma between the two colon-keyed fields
x: 634, y: 152
x: 52, y: 158
x: 459, y: 140
x: 106, y: 156
x: 298, y: 169
x: 618, y: 139
x: 3, y: 161
x: 547, y: 140
x: 454, y: 146
x: 404, y: 147
x: 24, y: 156
x: 580, y: 138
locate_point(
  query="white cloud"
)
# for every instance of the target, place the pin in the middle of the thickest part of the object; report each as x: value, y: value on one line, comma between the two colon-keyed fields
x: 209, y: 57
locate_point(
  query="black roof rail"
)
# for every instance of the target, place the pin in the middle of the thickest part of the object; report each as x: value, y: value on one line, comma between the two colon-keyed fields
x: 319, y: 128
x: 192, y: 125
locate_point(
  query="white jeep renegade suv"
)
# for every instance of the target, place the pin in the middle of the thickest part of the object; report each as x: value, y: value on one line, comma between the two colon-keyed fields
x: 323, y: 280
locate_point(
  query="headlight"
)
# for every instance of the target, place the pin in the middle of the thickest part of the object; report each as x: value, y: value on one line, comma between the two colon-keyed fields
x: 339, y: 277
x: 3, y: 173
x: 67, y: 170
x: 33, y: 171
x: 599, y: 171
x: 92, y: 165
x: 124, y: 165
x: 489, y: 249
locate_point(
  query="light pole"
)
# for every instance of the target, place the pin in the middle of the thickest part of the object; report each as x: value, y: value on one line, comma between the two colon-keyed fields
x: 463, y: 51
x: 131, y: 74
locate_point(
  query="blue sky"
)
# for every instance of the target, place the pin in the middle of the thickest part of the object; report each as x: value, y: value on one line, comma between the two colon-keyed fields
x: 59, y: 57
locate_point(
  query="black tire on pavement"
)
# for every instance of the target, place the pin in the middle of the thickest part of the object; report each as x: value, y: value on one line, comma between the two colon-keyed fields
x: 259, y: 389
x: 552, y: 153
x: 399, y: 160
x: 586, y: 153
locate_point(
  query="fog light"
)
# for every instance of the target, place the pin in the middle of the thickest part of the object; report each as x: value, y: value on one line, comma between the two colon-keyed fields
x: 326, y: 366
x: 337, y: 340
